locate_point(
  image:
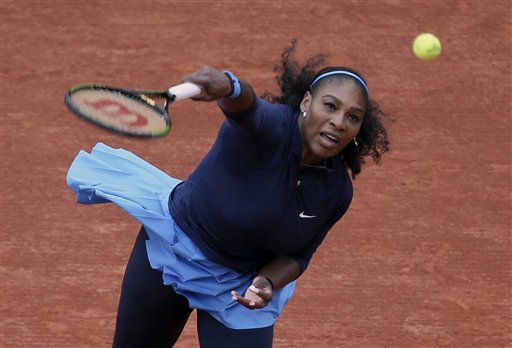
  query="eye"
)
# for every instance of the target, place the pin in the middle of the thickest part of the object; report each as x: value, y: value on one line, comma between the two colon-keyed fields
x: 354, y: 118
x: 330, y: 106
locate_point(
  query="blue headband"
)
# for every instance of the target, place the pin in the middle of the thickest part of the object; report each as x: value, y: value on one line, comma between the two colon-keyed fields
x: 340, y: 72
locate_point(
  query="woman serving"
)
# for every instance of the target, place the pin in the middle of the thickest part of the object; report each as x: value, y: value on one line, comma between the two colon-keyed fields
x: 231, y: 239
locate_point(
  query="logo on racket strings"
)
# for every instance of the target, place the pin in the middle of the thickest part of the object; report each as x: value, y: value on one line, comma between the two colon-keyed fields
x: 119, y: 112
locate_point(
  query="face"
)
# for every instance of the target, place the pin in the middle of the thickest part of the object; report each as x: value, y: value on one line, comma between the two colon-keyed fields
x: 333, y: 118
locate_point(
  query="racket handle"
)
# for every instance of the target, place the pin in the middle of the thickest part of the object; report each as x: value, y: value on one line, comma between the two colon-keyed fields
x: 184, y: 91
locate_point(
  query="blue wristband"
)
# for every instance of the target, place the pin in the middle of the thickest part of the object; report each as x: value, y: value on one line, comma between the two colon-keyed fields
x: 236, y: 87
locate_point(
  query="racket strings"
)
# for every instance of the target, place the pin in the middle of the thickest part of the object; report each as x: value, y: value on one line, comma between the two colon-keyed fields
x: 125, y: 112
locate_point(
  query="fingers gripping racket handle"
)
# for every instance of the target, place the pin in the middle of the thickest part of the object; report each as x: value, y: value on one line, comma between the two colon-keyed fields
x: 184, y: 91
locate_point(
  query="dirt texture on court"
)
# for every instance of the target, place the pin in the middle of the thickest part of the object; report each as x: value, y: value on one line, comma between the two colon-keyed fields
x: 423, y: 257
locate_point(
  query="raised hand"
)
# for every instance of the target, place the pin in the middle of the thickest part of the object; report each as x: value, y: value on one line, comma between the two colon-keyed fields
x: 214, y: 84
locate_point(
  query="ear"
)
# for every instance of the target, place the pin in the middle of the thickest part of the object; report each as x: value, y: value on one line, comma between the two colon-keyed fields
x: 304, y: 104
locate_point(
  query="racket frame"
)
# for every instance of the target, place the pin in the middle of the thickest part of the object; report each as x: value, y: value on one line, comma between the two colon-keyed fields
x: 142, y: 96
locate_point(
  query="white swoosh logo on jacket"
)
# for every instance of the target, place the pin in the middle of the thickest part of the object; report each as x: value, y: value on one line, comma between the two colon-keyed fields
x: 304, y: 216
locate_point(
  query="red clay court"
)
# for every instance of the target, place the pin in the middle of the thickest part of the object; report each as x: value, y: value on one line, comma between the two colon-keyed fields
x: 423, y: 257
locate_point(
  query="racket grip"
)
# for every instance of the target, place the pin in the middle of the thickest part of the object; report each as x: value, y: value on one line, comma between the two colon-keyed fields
x: 184, y: 91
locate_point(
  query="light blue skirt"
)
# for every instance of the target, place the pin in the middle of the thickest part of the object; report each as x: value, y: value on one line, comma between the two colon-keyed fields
x: 142, y: 190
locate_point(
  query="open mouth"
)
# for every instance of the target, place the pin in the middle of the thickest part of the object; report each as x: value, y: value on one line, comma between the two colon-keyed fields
x: 329, y: 138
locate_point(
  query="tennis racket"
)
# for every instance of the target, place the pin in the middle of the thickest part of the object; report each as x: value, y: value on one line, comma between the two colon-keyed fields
x: 129, y: 112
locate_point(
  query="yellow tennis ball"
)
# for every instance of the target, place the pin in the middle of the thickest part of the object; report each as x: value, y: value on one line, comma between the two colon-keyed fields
x: 426, y: 46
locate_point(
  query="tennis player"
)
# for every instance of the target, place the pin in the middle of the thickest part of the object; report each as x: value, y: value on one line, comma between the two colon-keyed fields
x: 232, y: 239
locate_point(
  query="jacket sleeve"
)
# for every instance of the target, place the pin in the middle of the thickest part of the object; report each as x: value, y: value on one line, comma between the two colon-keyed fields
x: 261, y: 121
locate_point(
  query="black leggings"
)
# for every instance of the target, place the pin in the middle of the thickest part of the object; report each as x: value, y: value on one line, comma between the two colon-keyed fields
x: 151, y: 314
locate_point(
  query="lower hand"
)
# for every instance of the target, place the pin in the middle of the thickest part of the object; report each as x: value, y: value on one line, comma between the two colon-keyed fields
x: 257, y: 296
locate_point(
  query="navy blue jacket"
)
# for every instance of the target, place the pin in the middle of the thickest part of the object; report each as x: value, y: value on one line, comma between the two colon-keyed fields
x: 248, y: 201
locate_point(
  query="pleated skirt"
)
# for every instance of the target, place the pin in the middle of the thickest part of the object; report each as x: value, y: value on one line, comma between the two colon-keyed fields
x: 142, y: 190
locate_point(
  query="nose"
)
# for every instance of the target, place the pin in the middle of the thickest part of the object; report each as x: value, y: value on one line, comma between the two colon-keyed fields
x: 339, y: 121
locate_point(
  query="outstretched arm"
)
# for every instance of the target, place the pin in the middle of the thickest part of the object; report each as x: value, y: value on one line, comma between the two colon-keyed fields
x: 273, y: 276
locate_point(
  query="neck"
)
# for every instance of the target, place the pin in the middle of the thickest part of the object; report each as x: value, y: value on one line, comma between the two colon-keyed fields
x: 321, y: 164
x: 309, y: 159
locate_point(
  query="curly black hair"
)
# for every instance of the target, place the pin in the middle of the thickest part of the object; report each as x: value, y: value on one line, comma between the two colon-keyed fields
x: 294, y: 80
